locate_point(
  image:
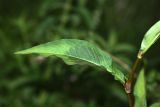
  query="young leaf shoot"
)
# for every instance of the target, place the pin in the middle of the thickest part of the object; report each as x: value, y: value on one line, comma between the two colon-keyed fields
x: 139, y: 91
x: 149, y: 39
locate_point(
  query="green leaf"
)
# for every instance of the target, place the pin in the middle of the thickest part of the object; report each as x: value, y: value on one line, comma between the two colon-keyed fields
x: 149, y: 39
x: 155, y: 105
x: 139, y: 91
x: 74, y: 51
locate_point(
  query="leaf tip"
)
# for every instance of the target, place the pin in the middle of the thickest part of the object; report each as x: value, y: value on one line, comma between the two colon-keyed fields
x: 19, y: 52
x: 16, y: 53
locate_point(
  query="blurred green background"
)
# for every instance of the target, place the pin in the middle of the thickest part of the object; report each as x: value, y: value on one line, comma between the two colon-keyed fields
x: 117, y: 26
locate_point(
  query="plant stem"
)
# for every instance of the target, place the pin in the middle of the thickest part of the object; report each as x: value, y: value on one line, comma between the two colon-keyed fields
x: 133, y: 71
x: 130, y: 97
x: 128, y: 85
x: 120, y: 62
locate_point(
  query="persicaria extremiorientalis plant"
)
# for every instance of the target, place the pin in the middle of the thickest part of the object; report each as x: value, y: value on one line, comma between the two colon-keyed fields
x: 74, y: 51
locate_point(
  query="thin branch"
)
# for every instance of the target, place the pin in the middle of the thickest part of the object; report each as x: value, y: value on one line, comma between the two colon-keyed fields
x: 129, y: 83
x: 132, y: 73
x: 120, y: 62
x: 130, y: 97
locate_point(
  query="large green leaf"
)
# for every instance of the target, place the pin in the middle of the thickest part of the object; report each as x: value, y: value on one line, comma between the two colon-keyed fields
x: 149, y: 39
x: 74, y: 51
x: 139, y: 91
x: 155, y: 105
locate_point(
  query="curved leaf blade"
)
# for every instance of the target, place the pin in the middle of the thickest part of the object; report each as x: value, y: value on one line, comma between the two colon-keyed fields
x: 140, y: 91
x: 74, y: 51
x: 149, y: 39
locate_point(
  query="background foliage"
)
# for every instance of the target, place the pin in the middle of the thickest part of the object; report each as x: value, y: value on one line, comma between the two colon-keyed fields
x: 116, y: 26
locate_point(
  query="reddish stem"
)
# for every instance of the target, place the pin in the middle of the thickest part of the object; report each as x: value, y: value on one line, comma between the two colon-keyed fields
x: 129, y: 82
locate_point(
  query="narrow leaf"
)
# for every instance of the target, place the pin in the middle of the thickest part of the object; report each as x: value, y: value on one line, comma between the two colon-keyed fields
x: 139, y: 91
x: 149, y: 39
x: 155, y: 105
x: 74, y: 51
